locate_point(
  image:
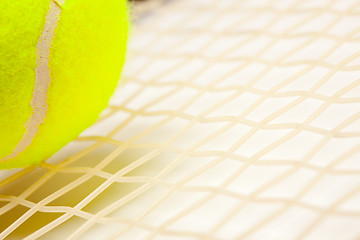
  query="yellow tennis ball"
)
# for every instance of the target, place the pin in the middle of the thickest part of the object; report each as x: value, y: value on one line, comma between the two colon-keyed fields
x: 60, y: 61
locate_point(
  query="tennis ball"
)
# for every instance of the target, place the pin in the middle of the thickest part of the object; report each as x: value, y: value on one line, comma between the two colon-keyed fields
x: 60, y: 62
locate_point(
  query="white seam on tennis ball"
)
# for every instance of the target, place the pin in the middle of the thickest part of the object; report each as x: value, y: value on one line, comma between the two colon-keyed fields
x: 59, y: 2
x: 43, y: 79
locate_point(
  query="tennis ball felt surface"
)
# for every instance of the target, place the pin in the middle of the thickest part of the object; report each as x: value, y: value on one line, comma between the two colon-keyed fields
x: 60, y: 62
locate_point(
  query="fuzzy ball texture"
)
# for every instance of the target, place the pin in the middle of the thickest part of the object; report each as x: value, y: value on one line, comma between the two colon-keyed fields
x: 60, y: 61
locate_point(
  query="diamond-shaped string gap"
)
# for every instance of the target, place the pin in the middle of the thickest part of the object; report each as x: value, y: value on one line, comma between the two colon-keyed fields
x: 37, y: 221
x: 238, y: 119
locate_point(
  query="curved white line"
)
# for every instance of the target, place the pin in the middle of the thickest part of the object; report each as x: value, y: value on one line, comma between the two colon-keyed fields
x: 43, y: 79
